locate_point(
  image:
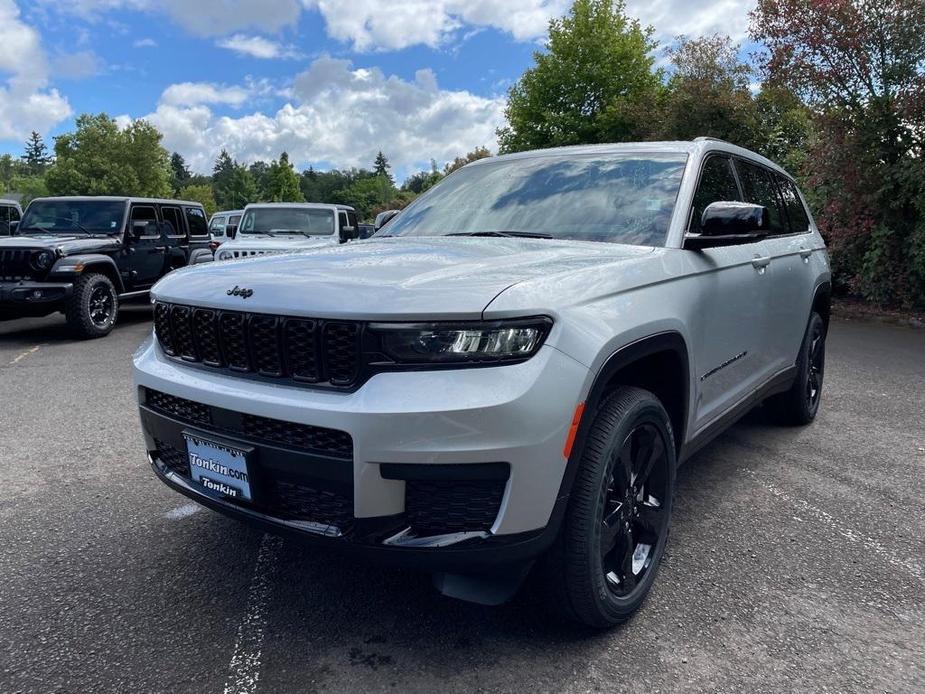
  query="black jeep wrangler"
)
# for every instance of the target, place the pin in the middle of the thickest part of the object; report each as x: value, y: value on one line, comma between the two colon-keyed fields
x: 83, y: 255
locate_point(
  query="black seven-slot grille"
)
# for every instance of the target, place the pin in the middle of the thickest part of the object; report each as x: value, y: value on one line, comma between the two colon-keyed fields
x: 14, y: 263
x: 301, y: 437
x: 302, y: 350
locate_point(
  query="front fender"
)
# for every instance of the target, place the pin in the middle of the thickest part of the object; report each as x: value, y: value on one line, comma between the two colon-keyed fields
x: 67, y: 269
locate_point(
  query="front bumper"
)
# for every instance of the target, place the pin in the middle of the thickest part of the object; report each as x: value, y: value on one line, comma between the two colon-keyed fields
x: 514, y: 418
x: 27, y: 297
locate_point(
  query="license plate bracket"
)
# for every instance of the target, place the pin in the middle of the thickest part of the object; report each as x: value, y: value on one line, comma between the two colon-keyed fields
x: 219, y: 467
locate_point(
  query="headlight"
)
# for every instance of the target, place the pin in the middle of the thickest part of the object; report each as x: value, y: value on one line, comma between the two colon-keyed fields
x: 225, y: 255
x: 42, y: 260
x: 457, y: 343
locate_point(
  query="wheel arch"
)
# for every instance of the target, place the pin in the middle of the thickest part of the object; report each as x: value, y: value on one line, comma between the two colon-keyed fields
x: 822, y: 303
x: 654, y: 362
x: 95, y: 262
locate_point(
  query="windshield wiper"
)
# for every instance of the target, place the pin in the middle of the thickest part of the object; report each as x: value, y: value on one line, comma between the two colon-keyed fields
x: 515, y: 234
x: 76, y: 224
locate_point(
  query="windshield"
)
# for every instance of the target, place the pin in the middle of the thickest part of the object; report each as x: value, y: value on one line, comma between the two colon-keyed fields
x: 620, y: 198
x: 73, y: 216
x: 287, y: 220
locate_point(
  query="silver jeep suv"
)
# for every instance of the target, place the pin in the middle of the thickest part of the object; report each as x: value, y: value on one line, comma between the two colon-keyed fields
x: 507, y: 376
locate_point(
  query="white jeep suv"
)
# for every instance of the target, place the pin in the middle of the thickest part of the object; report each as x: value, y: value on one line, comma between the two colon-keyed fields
x: 507, y: 375
x: 271, y: 228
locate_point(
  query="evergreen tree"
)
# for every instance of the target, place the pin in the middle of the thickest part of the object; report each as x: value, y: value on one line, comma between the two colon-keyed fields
x: 283, y: 182
x: 36, y: 156
x: 181, y: 173
x: 381, y: 166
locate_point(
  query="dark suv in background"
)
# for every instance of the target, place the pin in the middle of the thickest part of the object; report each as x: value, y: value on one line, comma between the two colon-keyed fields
x: 84, y: 255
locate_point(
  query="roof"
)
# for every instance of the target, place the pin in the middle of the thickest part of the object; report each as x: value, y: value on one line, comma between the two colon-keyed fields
x: 227, y: 212
x: 698, y: 146
x: 120, y: 198
x: 302, y: 205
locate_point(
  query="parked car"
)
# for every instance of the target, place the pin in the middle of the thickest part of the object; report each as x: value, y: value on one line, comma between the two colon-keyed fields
x: 283, y: 227
x: 510, y: 377
x: 223, y: 226
x: 10, y: 214
x: 84, y: 255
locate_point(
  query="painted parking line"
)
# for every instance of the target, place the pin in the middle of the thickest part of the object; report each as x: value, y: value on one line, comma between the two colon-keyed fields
x: 244, y: 669
x: 183, y: 511
x: 18, y: 358
x: 905, y: 564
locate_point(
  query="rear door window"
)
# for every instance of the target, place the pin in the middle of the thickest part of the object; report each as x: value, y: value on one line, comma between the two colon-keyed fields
x: 799, y: 220
x: 717, y: 183
x: 174, y: 221
x: 14, y: 214
x: 760, y: 189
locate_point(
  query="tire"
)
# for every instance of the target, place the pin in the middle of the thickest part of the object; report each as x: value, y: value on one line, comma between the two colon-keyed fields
x: 93, y: 307
x: 798, y: 405
x: 589, y: 583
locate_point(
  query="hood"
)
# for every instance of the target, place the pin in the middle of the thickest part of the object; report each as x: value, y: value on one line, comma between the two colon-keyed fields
x: 65, y: 245
x: 387, y: 279
x: 277, y: 244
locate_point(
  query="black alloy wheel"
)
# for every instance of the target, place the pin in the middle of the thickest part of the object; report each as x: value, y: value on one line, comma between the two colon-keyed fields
x: 634, y: 511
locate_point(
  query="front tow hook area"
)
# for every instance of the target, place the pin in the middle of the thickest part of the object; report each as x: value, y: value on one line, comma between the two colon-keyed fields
x: 489, y: 588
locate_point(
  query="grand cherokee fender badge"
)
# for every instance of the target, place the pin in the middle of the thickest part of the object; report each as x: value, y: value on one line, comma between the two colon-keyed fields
x: 240, y: 291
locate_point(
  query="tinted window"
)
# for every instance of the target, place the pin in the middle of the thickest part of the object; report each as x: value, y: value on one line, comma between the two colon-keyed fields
x: 144, y: 213
x: 5, y: 213
x: 758, y: 185
x: 172, y: 219
x: 14, y: 214
x: 717, y: 182
x: 218, y: 225
x: 621, y: 197
x: 234, y: 220
x: 196, y: 219
x: 799, y: 220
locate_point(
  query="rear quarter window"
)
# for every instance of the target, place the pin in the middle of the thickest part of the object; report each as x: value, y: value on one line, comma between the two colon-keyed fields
x: 196, y: 220
x: 796, y: 212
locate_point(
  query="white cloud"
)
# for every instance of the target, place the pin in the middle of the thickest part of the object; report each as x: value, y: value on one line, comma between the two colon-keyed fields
x: 395, y: 24
x: 145, y: 43
x: 694, y: 18
x: 338, y: 113
x: 25, y: 101
x: 196, y: 93
x: 259, y: 47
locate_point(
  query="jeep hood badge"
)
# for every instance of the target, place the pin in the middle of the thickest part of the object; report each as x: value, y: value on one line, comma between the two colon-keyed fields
x: 240, y: 291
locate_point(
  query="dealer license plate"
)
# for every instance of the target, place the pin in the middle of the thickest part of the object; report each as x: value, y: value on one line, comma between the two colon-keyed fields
x: 217, y: 467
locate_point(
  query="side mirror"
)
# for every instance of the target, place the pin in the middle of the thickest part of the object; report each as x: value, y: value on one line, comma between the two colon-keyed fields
x: 729, y: 223
x: 384, y: 218
x: 143, y: 228
x: 231, y: 231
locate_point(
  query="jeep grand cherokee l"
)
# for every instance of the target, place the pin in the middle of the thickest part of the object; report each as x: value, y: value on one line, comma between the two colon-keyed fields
x: 507, y: 375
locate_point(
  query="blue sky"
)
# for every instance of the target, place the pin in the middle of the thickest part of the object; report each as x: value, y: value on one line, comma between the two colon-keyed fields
x: 329, y: 81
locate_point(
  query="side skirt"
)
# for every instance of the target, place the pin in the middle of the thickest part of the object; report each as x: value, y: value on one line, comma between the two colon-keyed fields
x: 777, y: 384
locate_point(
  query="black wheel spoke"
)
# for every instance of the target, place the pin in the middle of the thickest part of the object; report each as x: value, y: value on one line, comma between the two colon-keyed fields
x: 627, y: 577
x: 651, y: 452
x: 648, y: 522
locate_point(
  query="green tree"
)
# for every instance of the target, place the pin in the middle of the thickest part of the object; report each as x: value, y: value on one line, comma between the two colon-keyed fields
x: 708, y: 94
x: 858, y: 64
x: 381, y: 166
x: 29, y: 187
x: 36, y: 156
x: 181, y: 173
x: 100, y: 158
x: 283, y: 182
x: 459, y: 162
x: 591, y: 84
x: 200, y: 193
x: 232, y: 183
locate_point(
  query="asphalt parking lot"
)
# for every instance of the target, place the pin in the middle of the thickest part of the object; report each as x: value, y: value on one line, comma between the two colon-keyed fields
x: 796, y: 561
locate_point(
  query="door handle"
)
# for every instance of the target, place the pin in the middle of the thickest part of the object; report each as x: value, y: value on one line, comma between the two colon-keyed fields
x: 760, y: 262
x: 157, y: 249
x: 805, y: 253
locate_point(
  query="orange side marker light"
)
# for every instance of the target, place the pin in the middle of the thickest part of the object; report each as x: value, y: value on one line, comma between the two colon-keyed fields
x: 573, y: 430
